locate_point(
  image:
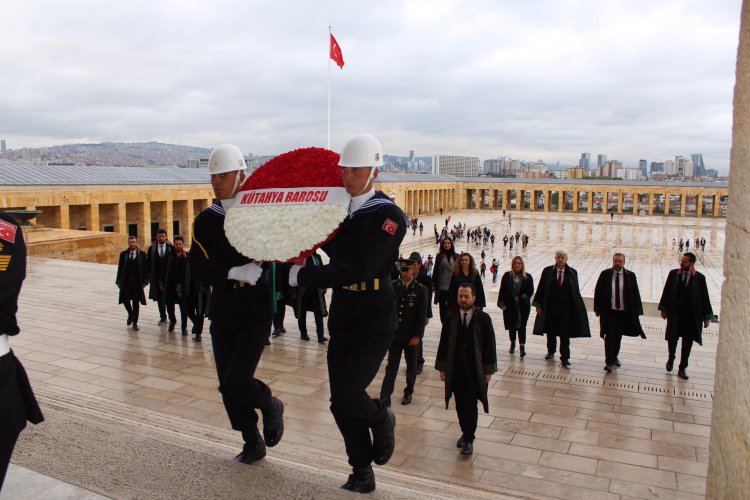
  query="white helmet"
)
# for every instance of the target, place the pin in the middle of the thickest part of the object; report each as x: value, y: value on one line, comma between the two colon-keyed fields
x: 225, y: 158
x: 361, y: 151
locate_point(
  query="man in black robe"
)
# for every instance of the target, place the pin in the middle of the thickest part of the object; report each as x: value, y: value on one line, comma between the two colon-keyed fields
x: 617, y: 303
x: 158, y: 254
x: 131, y: 280
x: 685, y: 305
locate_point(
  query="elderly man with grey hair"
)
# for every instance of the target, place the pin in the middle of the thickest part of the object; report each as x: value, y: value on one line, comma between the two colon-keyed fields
x: 560, y: 311
x: 617, y: 303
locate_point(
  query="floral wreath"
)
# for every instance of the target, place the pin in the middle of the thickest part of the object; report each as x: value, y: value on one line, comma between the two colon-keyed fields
x: 289, y: 207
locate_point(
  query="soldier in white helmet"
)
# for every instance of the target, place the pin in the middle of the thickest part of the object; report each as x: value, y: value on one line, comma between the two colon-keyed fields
x: 362, y: 319
x: 240, y: 312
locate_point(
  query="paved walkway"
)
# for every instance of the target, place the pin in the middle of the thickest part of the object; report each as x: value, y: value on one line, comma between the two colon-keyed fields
x: 551, y: 433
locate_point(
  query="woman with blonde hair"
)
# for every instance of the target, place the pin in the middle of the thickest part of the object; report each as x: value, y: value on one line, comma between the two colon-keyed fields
x: 465, y: 271
x: 516, y: 289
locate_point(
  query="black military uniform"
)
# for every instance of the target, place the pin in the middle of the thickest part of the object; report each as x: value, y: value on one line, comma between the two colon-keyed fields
x: 411, y: 300
x: 157, y: 269
x: 131, y: 279
x: 362, y: 322
x: 278, y: 277
x: 426, y: 280
x: 240, y: 317
x: 17, y: 402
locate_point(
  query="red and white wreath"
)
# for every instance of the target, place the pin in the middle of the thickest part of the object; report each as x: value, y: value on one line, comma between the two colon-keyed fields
x: 289, y: 207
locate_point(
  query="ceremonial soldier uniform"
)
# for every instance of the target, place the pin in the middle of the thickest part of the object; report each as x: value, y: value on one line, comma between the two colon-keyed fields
x: 411, y: 300
x: 17, y: 402
x: 240, y: 313
x: 131, y: 280
x: 362, y: 318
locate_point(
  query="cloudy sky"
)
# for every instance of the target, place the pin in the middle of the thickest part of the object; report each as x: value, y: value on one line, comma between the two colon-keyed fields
x: 521, y: 78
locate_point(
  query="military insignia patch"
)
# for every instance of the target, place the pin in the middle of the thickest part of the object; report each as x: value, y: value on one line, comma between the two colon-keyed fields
x: 7, y: 231
x: 389, y: 226
x: 4, y: 262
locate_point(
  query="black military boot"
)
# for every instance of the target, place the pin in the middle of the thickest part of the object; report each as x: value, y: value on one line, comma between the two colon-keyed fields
x: 384, y: 439
x: 273, y: 422
x: 362, y: 480
x: 253, y: 451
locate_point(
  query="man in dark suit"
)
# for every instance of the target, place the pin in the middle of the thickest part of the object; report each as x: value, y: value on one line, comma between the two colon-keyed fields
x: 560, y: 311
x: 466, y: 360
x: 158, y: 254
x: 617, y: 303
x: 174, y: 278
x: 411, y: 299
x: 17, y: 402
x: 131, y: 280
x: 420, y: 274
x: 685, y: 305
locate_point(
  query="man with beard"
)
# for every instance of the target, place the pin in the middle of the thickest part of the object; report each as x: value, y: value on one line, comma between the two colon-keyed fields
x: 158, y: 253
x: 685, y: 305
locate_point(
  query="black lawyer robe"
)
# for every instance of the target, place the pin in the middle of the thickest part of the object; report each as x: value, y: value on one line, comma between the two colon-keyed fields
x: 632, y: 301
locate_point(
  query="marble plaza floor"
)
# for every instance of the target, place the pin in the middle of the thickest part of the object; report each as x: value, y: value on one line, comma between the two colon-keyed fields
x: 551, y: 433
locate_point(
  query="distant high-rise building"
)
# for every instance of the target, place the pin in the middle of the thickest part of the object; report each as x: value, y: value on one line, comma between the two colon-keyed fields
x: 609, y: 169
x: 2, y: 146
x: 699, y: 168
x: 411, y: 155
x: 460, y: 166
x: 683, y: 166
x: 492, y: 167
x: 657, y: 167
x: 669, y: 167
x: 585, y: 161
x: 600, y: 159
x: 643, y: 166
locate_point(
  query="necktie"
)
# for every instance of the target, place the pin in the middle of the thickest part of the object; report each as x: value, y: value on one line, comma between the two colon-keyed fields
x: 161, y: 250
x: 132, y: 255
x: 559, y: 278
x: 617, y: 291
x: 465, y: 314
x: 684, y: 279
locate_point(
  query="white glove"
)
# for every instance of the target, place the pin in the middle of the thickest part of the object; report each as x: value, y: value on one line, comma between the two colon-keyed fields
x: 293, y: 272
x: 249, y: 273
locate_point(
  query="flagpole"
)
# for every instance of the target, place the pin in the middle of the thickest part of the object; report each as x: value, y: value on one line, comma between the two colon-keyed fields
x: 329, y: 87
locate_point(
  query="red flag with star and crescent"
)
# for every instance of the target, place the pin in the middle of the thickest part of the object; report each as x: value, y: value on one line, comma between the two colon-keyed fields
x: 336, y: 54
x: 7, y: 231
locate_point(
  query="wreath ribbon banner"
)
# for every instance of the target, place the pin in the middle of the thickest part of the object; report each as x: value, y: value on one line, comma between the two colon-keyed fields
x: 293, y: 196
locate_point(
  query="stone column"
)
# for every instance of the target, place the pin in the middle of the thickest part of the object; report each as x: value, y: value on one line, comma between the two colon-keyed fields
x: 121, y: 224
x: 187, y: 231
x: 532, y: 204
x: 590, y: 203
x: 651, y: 203
x: 636, y: 201
x: 666, y: 203
x: 561, y: 201
x: 576, y: 194
x: 717, y: 198
x: 699, y: 206
x: 620, y: 201
x: 729, y: 459
x: 144, y: 226
x: 93, y: 221
x: 65, y: 216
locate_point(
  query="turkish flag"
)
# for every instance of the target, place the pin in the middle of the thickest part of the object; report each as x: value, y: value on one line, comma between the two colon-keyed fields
x: 336, y: 54
x: 7, y: 231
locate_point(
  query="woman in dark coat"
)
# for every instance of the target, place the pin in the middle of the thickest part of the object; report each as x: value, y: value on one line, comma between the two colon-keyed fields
x: 516, y: 289
x: 465, y: 271
x: 441, y: 275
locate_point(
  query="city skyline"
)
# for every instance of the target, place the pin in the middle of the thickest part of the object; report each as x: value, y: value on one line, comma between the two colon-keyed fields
x: 543, y: 81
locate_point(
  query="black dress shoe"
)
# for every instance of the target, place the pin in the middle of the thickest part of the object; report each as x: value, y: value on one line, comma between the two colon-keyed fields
x: 283, y: 330
x: 251, y: 453
x: 617, y: 363
x: 130, y: 320
x: 304, y: 336
x: 523, y: 351
x: 135, y: 327
x: 565, y: 363
x: 384, y: 439
x: 197, y: 338
x: 420, y: 368
x: 682, y: 374
x: 276, y: 333
x: 362, y: 480
x: 162, y: 321
x: 268, y: 341
x: 171, y: 326
x: 322, y: 340
x: 670, y: 363
x: 550, y: 355
x: 386, y: 401
x: 406, y: 399
x: 512, y: 348
x: 460, y: 442
x: 467, y: 448
x: 608, y: 368
x: 184, y: 332
x: 273, y: 422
